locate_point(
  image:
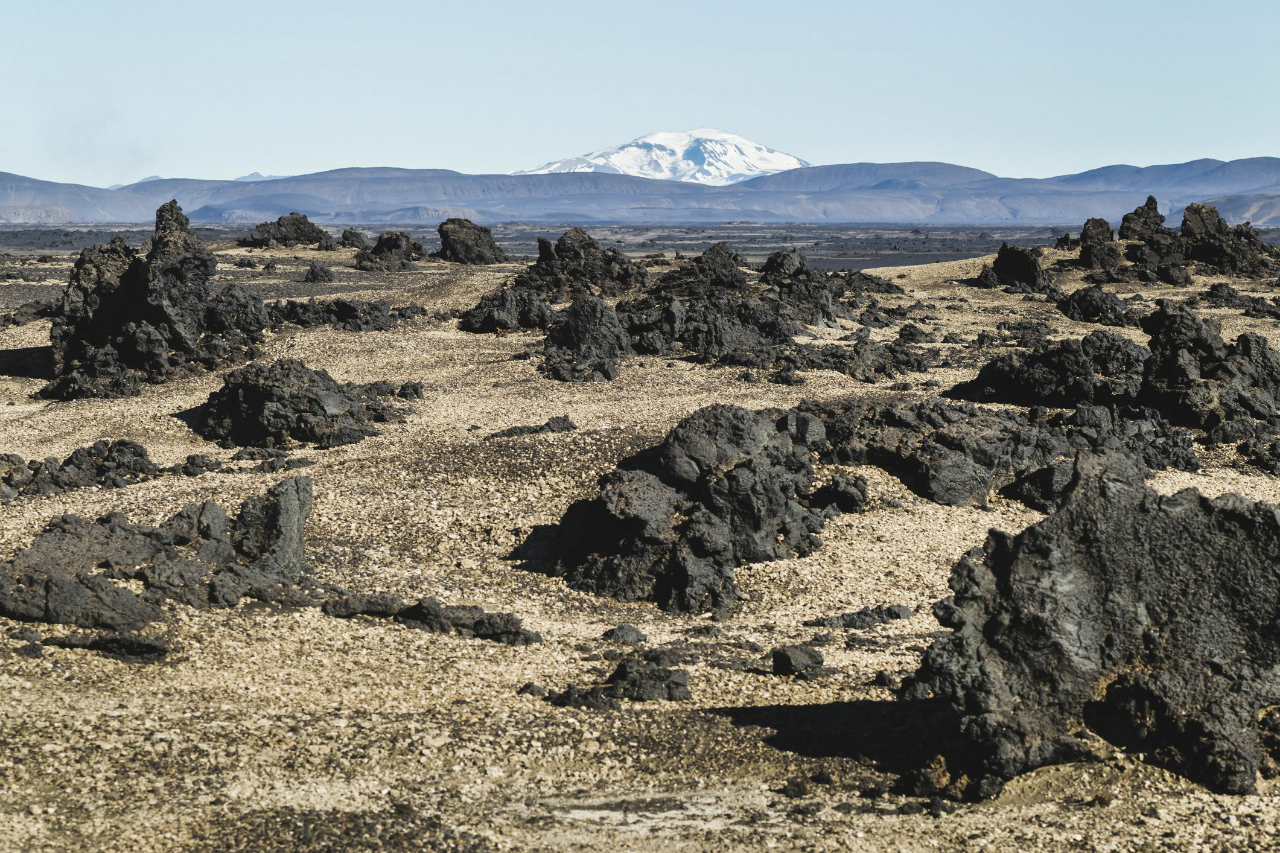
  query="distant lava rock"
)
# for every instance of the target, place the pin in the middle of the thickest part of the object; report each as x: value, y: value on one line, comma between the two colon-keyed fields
x: 284, y: 402
x: 635, y: 679
x: 1095, y: 305
x: 1160, y: 635
x: 1238, y: 251
x: 107, y: 464
x: 352, y: 239
x: 28, y: 312
x: 507, y: 310
x: 295, y: 229
x: 585, y: 343
x: 199, y: 557
x: 318, y: 274
x: 342, y: 314
x: 464, y: 242
x: 125, y: 319
x: 726, y: 487
x: 1019, y: 271
x: 395, y: 251
x: 558, y: 424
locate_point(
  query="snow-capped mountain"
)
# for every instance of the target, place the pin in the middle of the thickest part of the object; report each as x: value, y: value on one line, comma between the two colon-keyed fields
x: 703, y: 156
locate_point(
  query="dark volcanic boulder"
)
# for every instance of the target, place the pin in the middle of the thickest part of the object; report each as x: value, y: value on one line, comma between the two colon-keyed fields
x: 575, y: 265
x: 318, y: 274
x: 284, y: 402
x: 395, y: 251
x: 726, y: 487
x: 464, y: 242
x: 585, y: 343
x: 1101, y: 368
x: 635, y: 679
x: 507, y: 310
x: 1096, y: 231
x: 342, y: 314
x: 200, y: 557
x: 1148, y: 620
x: 1208, y: 240
x: 1019, y: 271
x: 1146, y: 224
x: 292, y: 230
x: 108, y: 464
x: 1197, y: 379
x: 352, y: 239
x: 1095, y: 305
x: 803, y: 294
x: 125, y: 319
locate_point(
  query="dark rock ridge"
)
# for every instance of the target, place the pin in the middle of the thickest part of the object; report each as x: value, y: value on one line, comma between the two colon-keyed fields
x: 1094, y: 305
x: 1148, y: 620
x: 108, y: 464
x: 558, y: 424
x: 352, y: 239
x: 284, y: 402
x: 126, y: 319
x: 72, y: 573
x: 28, y: 312
x: 395, y: 251
x: 959, y: 455
x: 342, y: 314
x: 428, y: 614
x: 635, y: 679
x: 291, y: 230
x: 464, y: 242
x: 867, y: 617
x: 726, y: 487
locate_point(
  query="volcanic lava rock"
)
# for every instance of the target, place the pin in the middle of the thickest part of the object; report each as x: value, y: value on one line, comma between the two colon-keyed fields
x: 125, y: 319
x: 1148, y: 620
x: 1101, y: 368
x: 1222, y: 295
x: 1096, y: 231
x: 108, y: 464
x: 284, y: 402
x: 342, y: 314
x: 353, y: 240
x: 558, y: 424
x: 1208, y: 240
x: 576, y: 266
x: 803, y: 295
x: 1146, y: 225
x: 958, y: 455
x: 585, y: 343
x: 625, y: 633
x: 1095, y: 305
x: 28, y: 312
x: 726, y: 487
x: 395, y: 251
x: 318, y: 274
x: 861, y: 620
x: 291, y: 230
x: 72, y: 573
x: 506, y: 310
x: 634, y: 679
x: 1019, y: 271
x: 1197, y: 379
x: 464, y: 242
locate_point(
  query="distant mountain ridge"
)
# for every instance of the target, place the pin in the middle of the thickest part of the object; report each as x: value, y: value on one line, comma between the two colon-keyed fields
x: 703, y: 156
x: 900, y: 193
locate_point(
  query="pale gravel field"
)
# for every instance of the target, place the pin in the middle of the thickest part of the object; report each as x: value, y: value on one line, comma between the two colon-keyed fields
x: 272, y: 728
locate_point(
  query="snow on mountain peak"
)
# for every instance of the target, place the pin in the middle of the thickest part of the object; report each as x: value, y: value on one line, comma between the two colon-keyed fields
x: 703, y: 156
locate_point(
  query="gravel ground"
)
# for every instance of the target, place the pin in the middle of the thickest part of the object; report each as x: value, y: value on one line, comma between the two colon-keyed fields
x: 272, y: 728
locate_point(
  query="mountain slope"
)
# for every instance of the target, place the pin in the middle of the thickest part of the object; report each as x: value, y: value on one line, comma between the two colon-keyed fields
x: 703, y: 156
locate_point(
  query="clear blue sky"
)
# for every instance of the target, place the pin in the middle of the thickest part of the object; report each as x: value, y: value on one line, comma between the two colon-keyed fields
x: 108, y: 92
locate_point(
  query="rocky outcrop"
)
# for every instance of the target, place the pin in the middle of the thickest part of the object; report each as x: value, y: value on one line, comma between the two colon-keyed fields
x: 1095, y: 305
x: 285, y: 402
x: 352, y: 239
x: 395, y: 251
x: 342, y: 314
x: 585, y: 343
x: 126, y: 319
x: 1149, y: 621
x: 464, y: 242
x: 106, y: 464
x: 291, y: 230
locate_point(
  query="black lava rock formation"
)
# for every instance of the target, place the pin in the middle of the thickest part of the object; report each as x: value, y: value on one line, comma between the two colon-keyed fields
x: 318, y: 274
x: 395, y: 251
x: 352, y: 239
x: 635, y: 679
x: 72, y: 573
x: 506, y: 310
x: 1018, y: 270
x: 342, y: 314
x: 1094, y: 305
x: 108, y: 464
x: 291, y: 230
x: 428, y: 614
x: 585, y: 343
x: 726, y: 487
x: 126, y: 319
x: 1147, y: 620
x: 558, y: 424
x: 464, y: 242
x: 284, y: 402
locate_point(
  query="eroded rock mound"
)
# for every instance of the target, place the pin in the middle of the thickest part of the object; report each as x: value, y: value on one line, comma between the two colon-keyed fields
x: 506, y: 310
x: 108, y: 464
x: 464, y: 242
x: 1094, y: 305
x: 585, y: 343
x: 1018, y: 270
x: 295, y: 229
x: 74, y: 573
x: 352, y: 239
x: 342, y: 314
x: 726, y: 487
x: 635, y: 679
x: 1148, y: 620
x: 126, y: 319
x: 395, y: 251
x: 284, y: 402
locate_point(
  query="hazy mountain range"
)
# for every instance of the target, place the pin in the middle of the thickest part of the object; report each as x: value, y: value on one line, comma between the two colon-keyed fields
x: 916, y: 193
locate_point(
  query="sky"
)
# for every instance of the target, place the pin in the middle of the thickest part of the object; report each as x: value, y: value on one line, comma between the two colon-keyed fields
x: 102, y: 93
